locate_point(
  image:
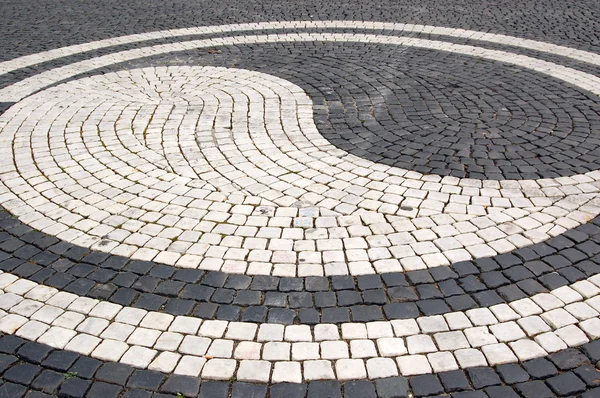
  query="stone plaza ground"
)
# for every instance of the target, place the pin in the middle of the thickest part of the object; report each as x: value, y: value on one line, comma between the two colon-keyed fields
x: 299, y: 199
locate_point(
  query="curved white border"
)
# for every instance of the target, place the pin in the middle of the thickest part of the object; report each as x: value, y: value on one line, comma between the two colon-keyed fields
x: 28, y: 60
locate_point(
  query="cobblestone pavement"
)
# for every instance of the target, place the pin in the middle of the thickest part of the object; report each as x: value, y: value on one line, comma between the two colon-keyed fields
x: 300, y: 199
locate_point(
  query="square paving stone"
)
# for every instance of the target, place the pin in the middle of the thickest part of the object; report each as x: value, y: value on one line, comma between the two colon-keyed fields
x: 238, y: 282
x: 146, y: 379
x: 592, y: 350
x: 103, y: 390
x: 511, y: 293
x: 6, y: 361
x: 359, y: 389
x: 464, y: 268
x: 74, y: 388
x: 471, y: 284
x: 347, y: 298
x: 553, y: 281
x: 264, y: 283
x: 124, y: 296
x: 150, y: 302
x: 308, y: 316
x: 325, y: 389
x: 11, y: 390
x: 595, y: 393
x: 38, y: 394
x: 460, y: 303
x: 255, y: 314
x: 282, y: 316
x: 403, y: 294
x: 366, y: 313
x: 392, y: 387
x: 512, y: 373
x: 429, y: 291
x: 161, y: 271
x: 488, y: 298
x: 401, y: 310
x: 469, y: 394
x: 300, y: 299
x: 275, y: 299
x: 433, y: 307
x: 206, y: 310
x: 568, y: 359
x: 185, y: 385
x: 374, y: 296
x: 287, y: 390
x: 214, y: 389
x: 342, y: 282
x: 48, y: 381
x: 501, y: 392
x: 589, y: 374
x: 392, y: 279
x: 195, y: 292
x: 419, y: 277
x: 85, y: 367
x: 483, y: 377
x: 367, y: 282
x: 188, y: 275
x: 534, y: 389
x: 248, y: 297
x: 223, y: 296
x: 134, y: 393
x: 539, y: 368
x: 61, y: 360
x: 229, y: 312
x: 424, y: 385
x: 22, y: 374
x: 291, y: 284
x: 34, y: 352
x: 248, y: 390
x: 179, y: 307
x: 325, y: 299
x: 442, y: 273
x: 169, y: 288
x: 335, y: 315
x: 114, y: 372
x: 455, y: 380
x: 316, y: 283
x: 566, y: 384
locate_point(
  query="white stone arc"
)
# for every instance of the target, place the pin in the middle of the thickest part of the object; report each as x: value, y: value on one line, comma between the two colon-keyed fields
x: 27, y: 86
x: 453, y: 219
x: 504, y: 333
x: 33, y: 59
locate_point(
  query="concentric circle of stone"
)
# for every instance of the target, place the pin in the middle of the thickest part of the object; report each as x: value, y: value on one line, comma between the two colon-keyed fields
x: 224, y: 169
x: 174, y: 159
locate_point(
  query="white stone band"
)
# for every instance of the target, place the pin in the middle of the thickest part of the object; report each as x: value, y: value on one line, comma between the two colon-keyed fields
x: 29, y: 60
x: 503, y: 333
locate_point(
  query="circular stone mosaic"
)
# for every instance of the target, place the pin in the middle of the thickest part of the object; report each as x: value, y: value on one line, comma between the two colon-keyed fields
x: 228, y: 221
x: 159, y: 164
